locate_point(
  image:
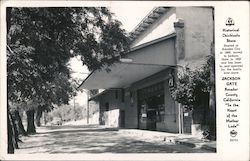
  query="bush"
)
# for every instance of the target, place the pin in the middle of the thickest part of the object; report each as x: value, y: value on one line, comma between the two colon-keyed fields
x: 192, y: 85
x: 193, y: 89
x: 66, y: 113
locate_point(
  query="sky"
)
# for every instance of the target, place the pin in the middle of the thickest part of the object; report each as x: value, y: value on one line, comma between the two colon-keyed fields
x: 129, y: 15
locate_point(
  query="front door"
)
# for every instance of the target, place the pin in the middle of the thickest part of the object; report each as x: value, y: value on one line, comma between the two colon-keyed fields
x: 151, y: 119
x: 187, y: 121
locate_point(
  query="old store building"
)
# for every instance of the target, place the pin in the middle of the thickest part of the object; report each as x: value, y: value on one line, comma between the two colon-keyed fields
x: 137, y: 89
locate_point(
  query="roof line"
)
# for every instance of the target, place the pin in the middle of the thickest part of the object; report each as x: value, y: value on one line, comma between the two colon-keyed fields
x: 142, y: 20
x: 136, y: 48
x: 98, y: 94
x: 103, y: 92
x: 149, y: 19
x: 85, y: 79
x: 173, y: 34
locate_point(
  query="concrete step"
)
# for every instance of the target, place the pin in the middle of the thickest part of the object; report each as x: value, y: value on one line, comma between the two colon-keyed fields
x: 184, y: 139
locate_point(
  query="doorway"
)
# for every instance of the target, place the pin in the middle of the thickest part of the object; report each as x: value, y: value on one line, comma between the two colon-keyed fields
x: 150, y: 103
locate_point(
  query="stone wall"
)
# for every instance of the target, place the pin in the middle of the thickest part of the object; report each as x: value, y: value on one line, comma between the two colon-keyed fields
x: 198, y: 34
x: 94, y: 112
x: 110, y: 106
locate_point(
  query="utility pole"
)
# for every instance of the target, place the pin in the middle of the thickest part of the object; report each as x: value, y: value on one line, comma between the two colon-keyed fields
x: 87, y: 107
x: 74, y: 108
x: 87, y: 103
x: 87, y: 94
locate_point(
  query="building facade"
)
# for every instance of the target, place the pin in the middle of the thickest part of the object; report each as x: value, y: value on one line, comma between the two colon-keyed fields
x: 137, y: 89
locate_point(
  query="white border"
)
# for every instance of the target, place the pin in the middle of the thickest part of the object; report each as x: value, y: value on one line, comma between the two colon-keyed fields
x: 225, y: 149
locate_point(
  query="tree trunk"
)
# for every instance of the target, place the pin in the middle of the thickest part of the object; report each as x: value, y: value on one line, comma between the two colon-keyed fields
x: 31, y: 129
x: 11, y: 149
x: 13, y: 121
x: 20, y: 123
x: 8, y: 16
x: 39, y: 113
x: 44, y: 118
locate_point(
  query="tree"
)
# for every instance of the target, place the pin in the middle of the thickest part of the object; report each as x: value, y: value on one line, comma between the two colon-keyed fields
x: 193, y: 89
x: 14, y: 111
x: 67, y: 113
x: 41, y: 41
x: 10, y: 134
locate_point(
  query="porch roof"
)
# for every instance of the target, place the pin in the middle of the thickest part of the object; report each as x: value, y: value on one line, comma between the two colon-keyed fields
x: 148, y: 59
x: 120, y: 76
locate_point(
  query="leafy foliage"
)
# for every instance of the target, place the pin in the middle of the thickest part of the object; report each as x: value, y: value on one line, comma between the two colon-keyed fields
x: 193, y: 85
x: 66, y: 113
x: 42, y: 40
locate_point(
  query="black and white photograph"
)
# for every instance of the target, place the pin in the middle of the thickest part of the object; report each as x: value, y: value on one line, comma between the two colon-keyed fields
x: 148, y: 90
x: 115, y: 79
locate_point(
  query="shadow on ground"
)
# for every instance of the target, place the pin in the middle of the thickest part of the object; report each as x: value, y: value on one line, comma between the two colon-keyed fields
x: 77, y: 139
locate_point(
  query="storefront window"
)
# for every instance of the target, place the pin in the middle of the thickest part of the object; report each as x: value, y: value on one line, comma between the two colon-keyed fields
x: 160, y: 113
x: 152, y: 106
